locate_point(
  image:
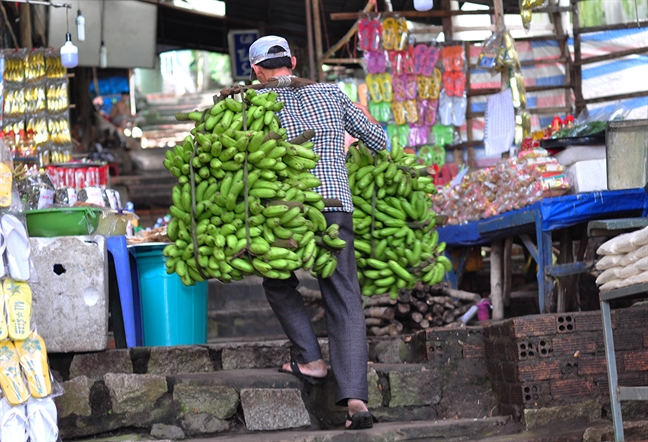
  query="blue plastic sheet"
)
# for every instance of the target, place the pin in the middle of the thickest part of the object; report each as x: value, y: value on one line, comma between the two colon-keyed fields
x: 551, y: 214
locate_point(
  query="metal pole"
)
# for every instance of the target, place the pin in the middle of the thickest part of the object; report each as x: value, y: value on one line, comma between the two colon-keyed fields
x: 311, y: 47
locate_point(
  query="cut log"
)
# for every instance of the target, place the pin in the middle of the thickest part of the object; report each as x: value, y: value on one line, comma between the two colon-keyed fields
x: 461, y: 294
x: 379, y: 312
x: 402, y: 308
x: 420, y: 306
x: 398, y: 325
x: 437, y: 299
x: 424, y: 323
x: 448, y: 317
x: 438, y: 321
x: 416, y: 317
x: 438, y: 310
x: 388, y: 330
x: 404, y: 296
x: 369, y: 301
x: 372, y: 322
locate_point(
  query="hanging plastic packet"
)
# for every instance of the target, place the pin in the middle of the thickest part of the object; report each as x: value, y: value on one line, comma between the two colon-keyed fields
x: 516, y: 83
x: 35, y: 189
x: 403, y: 134
x: 445, y: 109
x: 65, y: 196
x: 489, y: 52
x: 91, y: 195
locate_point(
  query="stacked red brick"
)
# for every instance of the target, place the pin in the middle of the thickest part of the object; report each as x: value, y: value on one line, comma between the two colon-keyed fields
x: 553, y: 360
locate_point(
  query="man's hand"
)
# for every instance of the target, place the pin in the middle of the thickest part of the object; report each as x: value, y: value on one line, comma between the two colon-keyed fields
x: 366, y: 112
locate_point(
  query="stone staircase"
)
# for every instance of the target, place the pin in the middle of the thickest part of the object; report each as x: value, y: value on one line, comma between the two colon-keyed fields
x: 235, y: 388
x: 442, y: 384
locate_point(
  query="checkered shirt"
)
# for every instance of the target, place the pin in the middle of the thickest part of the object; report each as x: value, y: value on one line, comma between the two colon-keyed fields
x: 330, y: 113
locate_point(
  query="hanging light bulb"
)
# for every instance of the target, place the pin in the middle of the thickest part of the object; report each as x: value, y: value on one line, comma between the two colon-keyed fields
x: 80, y: 22
x: 423, y: 5
x: 69, y: 53
x: 103, y: 56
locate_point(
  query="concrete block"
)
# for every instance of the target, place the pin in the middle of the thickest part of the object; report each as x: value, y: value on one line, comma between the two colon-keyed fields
x: 273, y: 409
x: 70, y: 292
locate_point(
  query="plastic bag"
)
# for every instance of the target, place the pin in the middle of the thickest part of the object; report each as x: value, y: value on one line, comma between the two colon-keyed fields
x: 35, y: 189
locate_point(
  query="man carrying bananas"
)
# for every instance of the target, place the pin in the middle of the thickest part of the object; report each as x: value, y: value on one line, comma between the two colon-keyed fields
x: 325, y: 109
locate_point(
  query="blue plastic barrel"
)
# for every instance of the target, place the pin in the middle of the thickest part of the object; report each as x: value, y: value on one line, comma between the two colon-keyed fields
x: 172, y: 313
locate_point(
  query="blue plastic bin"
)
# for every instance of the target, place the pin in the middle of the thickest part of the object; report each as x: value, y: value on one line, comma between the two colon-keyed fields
x: 172, y: 313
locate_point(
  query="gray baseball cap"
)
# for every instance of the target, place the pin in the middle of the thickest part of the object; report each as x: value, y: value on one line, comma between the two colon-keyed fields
x: 258, y: 51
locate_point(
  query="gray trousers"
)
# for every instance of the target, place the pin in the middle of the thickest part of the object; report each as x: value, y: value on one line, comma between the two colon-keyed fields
x: 344, y: 318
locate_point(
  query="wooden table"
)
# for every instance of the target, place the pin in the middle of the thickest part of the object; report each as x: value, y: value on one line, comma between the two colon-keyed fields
x: 543, y: 218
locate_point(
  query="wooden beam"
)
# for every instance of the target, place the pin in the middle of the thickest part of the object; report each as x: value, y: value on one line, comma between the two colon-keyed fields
x: 613, y: 55
x: 312, y: 65
x: 531, y: 62
x: 493, y: 90
x: 617, y: 97
x: 410, y: 14
x: 590, y: 29
x: 341, y: 60
x: 535, y: 111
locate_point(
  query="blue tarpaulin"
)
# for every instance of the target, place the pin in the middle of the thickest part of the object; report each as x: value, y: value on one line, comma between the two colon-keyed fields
x: 551, y: 213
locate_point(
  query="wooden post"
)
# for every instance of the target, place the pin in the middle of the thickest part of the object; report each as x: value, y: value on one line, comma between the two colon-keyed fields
x: 447, y: 21
x: 25, y: 26
x: 312, y: 66
x: 577, y: 78
x: 507, y: 271
x: 317, y: 24
x: 496, y: 279
x: 564, y: 53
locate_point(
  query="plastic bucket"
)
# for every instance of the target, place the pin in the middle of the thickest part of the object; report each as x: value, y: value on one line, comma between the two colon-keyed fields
x: 172, y: 313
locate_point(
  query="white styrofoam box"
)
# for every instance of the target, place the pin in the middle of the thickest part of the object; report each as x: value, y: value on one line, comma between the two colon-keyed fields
x: 573, y: 154
x: 587, y: 176
x: 70, y: 292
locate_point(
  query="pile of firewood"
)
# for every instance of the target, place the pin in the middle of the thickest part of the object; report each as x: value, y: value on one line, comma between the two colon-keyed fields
x: 423, y: 307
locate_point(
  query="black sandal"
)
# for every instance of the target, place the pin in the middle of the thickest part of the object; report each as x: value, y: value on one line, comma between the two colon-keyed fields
x: 362, y: 420
x: 295, y: 371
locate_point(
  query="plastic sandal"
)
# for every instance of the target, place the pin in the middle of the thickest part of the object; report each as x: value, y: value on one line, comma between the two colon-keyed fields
x: 385, y: 81
x: 376, y: 35
x: 458, y: 58
x: 411, y: 87
x: 364, y: 34
x: 436, y: 84
x: 13, y: 422
x: 446, y: 56
x: 33, y: 360
x: 459, y: 110
x: 445, y: 109
x: 401, y: 34
x: 17, y: 248
x: 431, y: 111
x: 374, y: 88
x: 410, y: 110
x: 424, y: 86
x: 420, y: 58
x: 389, y: 34
x: 459, y: 78
x: 11, y: 380
x: 18, y: 302
x: 408, y: 62
x: 42, y: 418
x: 398, y: 86
x: 448, y: 83
x: 398, y: 110
x: 396, y: 60
x: 431, y: 60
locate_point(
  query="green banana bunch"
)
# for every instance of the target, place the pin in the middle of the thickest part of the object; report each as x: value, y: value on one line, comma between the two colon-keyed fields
x: 244, y: 203
x: 396, y: 244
